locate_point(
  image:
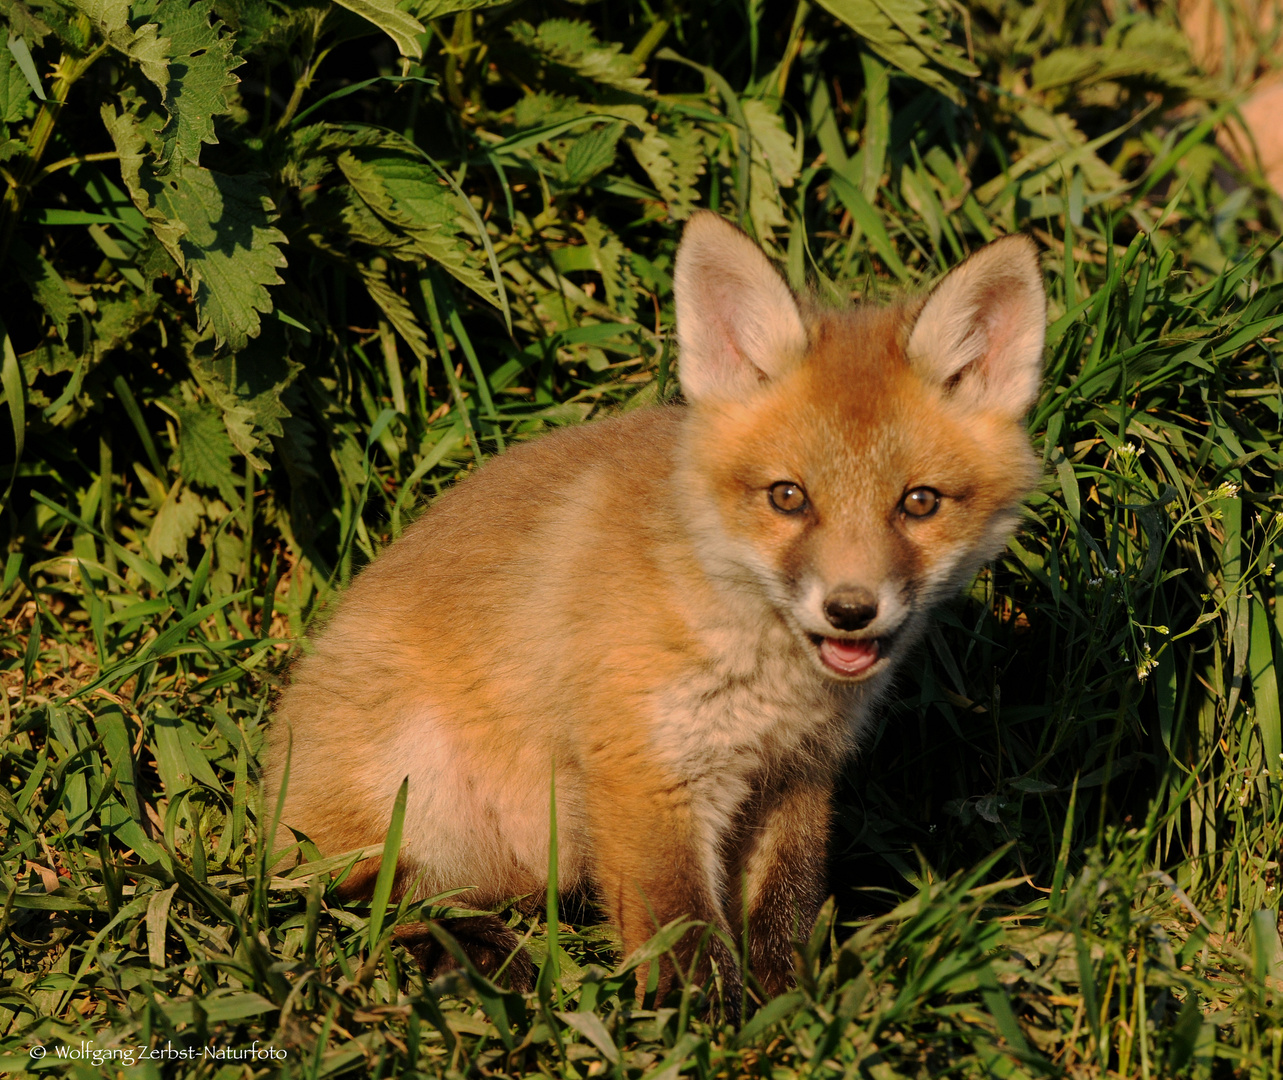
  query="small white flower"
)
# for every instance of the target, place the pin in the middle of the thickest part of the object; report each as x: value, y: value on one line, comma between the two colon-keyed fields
x: 1227, y: 490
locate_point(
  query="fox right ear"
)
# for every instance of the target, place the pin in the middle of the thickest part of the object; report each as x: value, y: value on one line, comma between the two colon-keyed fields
x: 980, y: 333
x: 738, y: 323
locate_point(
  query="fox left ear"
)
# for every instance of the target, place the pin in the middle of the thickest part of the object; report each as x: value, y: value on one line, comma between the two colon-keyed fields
x: 738, y: 324
x: 981, y: 331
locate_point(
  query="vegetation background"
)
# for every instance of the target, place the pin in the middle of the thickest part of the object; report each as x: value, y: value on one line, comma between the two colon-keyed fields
x: 275, y: 273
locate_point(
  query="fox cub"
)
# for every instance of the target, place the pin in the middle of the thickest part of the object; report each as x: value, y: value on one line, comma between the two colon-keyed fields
x: 691, y: 610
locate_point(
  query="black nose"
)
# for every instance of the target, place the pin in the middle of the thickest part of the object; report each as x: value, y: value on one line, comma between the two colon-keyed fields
x: 851, y: 608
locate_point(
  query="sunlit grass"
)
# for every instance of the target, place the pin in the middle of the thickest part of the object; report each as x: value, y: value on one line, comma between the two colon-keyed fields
x: 1059, y: 856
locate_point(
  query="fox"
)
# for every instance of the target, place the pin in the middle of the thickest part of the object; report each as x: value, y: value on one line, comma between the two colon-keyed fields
x: 687, y: 614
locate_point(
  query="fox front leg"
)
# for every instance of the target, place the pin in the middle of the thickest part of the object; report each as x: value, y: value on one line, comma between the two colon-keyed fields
x: 781, y: 874
x: 653, y: 865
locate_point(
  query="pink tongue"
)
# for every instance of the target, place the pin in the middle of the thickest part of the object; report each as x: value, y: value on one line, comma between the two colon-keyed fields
x: 849, y: 657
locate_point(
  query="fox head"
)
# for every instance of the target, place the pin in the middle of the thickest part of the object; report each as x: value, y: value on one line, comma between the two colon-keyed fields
x: 854, y: 466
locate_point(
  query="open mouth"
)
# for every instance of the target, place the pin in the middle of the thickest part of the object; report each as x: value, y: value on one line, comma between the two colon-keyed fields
x: 847, y: 657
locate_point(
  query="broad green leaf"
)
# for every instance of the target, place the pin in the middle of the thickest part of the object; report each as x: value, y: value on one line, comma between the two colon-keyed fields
x: 774, y: 163
x: 248, y: 386
x: 175, y: 523
x: 573, y: 45
x: 1063, y: 67
x: 16, y: 96
x: 217, y: 228
x: 773, y: 146
x: 674, y: 155
x: 592, y: 152
x: 897, y: 30
x: 49, y: 290
x: 204, y: 447
x: 201, y: 82
x: 157, y: 924
x: 227, y: 245
x: 404, y: 29
x: 12, y: 383
x: 409, y: 194
x: 144, y: 45
x: 589, y: 1025
x: 612, y: 260
x: 423, y: 10
x: 398, y: 311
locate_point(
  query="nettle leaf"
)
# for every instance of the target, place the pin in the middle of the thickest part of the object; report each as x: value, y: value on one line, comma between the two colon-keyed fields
x: 397, y: 309
x: 248, y: 386
x: 205, y: 449
x: 898, y: 31
x: 175, y: 523
x: 217, y: 228
x: 674, y: 156
x: 773, y: 146
x: 49, y: 290
x: 423, y: 10
x: 410, y: 195
x: 144, y: 46
x: 571, y: 44
x: 1054, y: 140
x: 614, y: 262
x: 403, y: 28
x: 592, y: 152
x: 201, y: 83
x: 228, y: 247
x: 17, y: 102
x: 775, y: 163
x: 1064, y: 67
x: 26, y: 24
x: 541, y: 109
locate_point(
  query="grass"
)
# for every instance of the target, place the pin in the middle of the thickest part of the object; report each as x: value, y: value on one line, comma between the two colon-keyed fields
x: 1060, y: 854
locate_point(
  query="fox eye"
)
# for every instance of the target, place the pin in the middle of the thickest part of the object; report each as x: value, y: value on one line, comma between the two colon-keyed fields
x: 920, y: 502
x: 787, y: 497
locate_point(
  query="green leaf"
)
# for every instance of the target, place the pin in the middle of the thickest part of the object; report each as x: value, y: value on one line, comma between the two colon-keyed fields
x: 404, y: 29
x: 572, y: 45
x: 216, y: 227
x: 175, y: 523
x: 144, y: 46
x: 387, y: 865
x: 592, y: 152
x: 227, y: 246
x: 201, y: 84
x: 775, y: 162
x: 248, y: 386
x: 423, y: 10
x: 674, y: 155
x: 613, y: 261
x: 12, y: 384
x: 398, y: 310
x: 18, y: 81
x: 204, y: 447
x: 590, y: 1026
x: 410, y: 195
x: 897, y: 30
x: 49, y: 290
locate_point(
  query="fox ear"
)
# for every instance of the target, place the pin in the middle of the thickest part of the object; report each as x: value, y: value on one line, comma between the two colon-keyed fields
x: 738, y: 324
x: 981, y: 331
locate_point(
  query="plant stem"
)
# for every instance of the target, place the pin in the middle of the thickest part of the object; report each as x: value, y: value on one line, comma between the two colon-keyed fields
x: 75, y: 159
x: 27, y: 175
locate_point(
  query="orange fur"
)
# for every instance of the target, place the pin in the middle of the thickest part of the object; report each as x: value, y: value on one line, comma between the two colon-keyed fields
x: 623, y: 599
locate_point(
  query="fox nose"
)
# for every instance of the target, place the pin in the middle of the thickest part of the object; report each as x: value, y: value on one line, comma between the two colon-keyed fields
x: 850, y: 607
